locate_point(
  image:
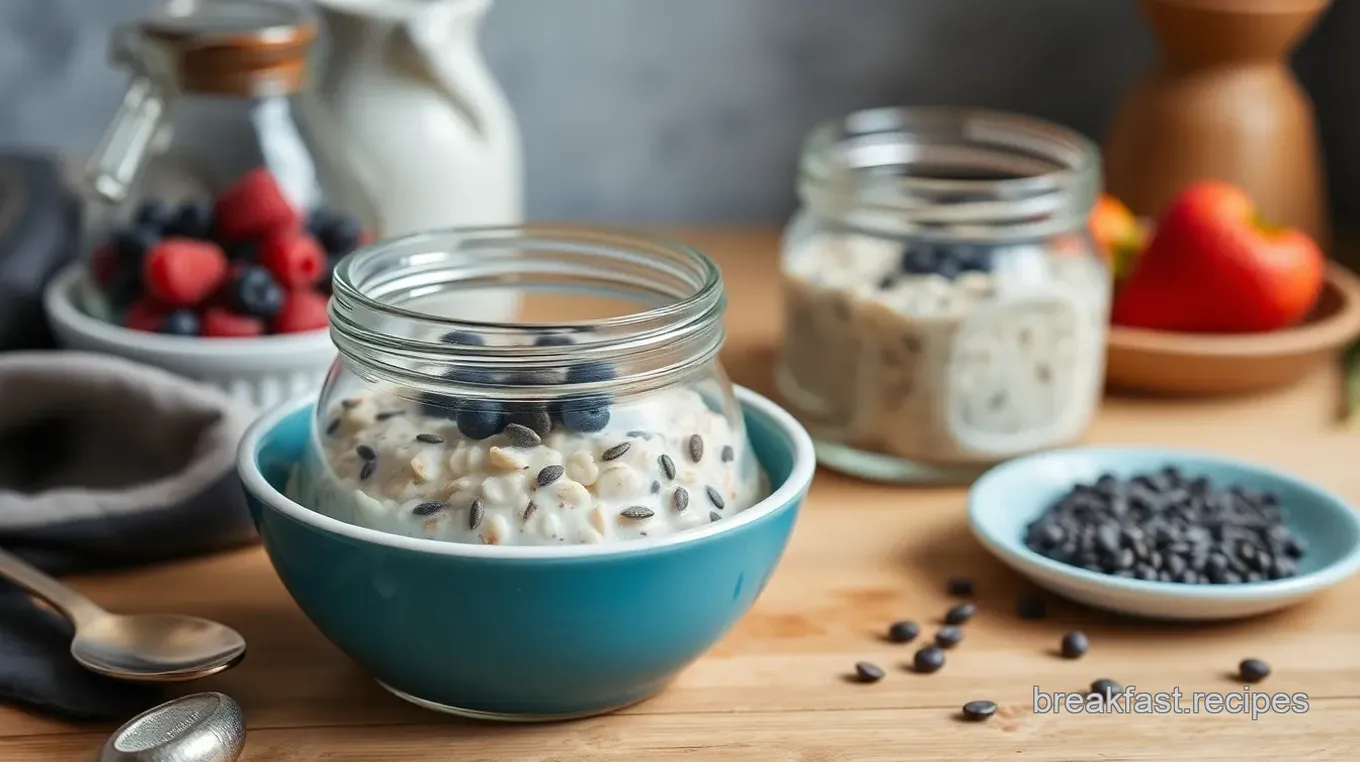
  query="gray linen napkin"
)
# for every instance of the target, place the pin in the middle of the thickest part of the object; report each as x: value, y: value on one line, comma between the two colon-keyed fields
x: 103, y: 463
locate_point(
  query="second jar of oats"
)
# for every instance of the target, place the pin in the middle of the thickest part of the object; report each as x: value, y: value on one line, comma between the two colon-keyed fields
x: 945, y: 308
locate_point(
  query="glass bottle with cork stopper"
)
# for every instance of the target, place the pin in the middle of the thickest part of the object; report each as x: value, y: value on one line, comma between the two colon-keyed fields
x: 217, y: 151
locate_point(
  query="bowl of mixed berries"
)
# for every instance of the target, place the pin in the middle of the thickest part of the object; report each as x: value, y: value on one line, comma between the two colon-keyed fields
x: 232, y: 291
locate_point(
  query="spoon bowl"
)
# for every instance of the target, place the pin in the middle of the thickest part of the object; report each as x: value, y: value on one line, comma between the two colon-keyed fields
x: 154, y: 648
x: 157, y: 647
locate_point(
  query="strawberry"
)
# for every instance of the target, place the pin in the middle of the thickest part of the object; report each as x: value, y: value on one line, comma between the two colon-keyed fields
x: 302, y: 311
x: 293, y: 257
x: 144, y: 315
x: 223, y: 323
x: 183, y: 272
x: 252, y: 207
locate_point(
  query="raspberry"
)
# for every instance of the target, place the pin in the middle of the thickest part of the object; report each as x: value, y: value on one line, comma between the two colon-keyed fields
x: 182, y: 272
x: 223, y: 323
x: 252, y: 207
x: 294, y: 258
x: 302, y: 311
x: 144, y: 315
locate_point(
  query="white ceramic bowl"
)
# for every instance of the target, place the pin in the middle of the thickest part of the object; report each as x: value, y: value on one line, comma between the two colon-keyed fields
x: 1007, y: 498
x: 261, y: 372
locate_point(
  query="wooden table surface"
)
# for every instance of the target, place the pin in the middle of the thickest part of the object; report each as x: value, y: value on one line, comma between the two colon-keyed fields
x: 861, y: 556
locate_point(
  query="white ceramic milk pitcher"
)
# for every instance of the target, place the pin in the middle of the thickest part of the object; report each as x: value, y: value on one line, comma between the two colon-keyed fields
x: 406, y: 83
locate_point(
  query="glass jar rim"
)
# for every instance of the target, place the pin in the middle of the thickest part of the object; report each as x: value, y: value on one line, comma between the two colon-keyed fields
x: 649, y: 345
x: 574, y: 235
x: 1013, y: 175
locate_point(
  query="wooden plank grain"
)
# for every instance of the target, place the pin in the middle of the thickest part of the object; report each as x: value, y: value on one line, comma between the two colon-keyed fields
x: 860, y: 735
x: 861, y: 556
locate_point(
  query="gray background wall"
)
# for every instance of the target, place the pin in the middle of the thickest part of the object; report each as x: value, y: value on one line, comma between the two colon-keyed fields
x: 690, y: 110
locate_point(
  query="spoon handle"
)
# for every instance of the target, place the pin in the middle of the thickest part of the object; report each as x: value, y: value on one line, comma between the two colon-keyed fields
x: 75, y: 606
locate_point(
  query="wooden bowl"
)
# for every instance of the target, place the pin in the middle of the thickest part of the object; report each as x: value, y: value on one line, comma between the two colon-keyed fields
x: 1163, y: 362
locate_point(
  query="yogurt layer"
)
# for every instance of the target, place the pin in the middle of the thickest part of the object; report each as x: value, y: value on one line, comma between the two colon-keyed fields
x: 997, y: 353
x: 662, y: 466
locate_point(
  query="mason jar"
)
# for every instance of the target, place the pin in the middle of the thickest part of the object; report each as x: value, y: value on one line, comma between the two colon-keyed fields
x: 945, y: 305
x: 218, y: 151
x: 600, y: 414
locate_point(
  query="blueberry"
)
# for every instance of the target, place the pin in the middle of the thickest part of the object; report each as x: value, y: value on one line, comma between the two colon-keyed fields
x: 463, y: 337
x: 590, y: 372
x: 585, y: 414
x: 132, y: 244
x: 338, y: 232
x: 948, y: 267
x: 919, y: 259
x: 446, y: 406
x: 554, y: 340
x: 180, y: 323
x: 193, y: 219
x: 479, y: 419
x: 153, y: 213
x: 255, y: 292
x: 975, y: 259
x: 318, y: 220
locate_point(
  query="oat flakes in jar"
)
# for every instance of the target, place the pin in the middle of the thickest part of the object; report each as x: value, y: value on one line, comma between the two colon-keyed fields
x: 600, y: 415
x: 945, y: 307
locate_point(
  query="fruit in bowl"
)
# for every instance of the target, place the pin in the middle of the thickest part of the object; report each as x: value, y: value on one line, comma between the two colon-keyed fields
x: 247, y: 264
x: 1214, y: 266
x: 1222, y: 301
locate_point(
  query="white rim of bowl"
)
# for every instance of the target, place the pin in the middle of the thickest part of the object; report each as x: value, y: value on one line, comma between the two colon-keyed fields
x: 61, y: 308
x: 800, y: 478
x: 1326, y: 576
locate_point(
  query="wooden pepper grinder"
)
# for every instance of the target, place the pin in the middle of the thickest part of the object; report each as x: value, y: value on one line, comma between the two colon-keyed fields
x: 1222, y: 104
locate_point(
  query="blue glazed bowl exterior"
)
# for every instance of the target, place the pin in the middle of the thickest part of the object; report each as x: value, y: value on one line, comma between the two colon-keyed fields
x: 533, y: 637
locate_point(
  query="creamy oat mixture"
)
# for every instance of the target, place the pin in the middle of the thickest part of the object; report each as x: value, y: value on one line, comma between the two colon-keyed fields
x: 945, y: 355
x: 661, y: 466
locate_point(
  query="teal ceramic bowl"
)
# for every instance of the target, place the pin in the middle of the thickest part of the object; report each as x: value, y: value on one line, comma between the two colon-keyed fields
x: 523, y: 633
x: 1003, y: 502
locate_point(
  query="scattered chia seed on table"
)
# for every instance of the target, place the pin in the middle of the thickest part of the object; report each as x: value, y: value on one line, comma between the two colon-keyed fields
x: 868, y: 673
x: 960, y: 613
x: 1075, y: 645
x: 948, y: 637
x: 976, y: 711
x: 903, y: 632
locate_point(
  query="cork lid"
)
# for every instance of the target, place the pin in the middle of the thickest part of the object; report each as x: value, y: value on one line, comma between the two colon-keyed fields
x: 235, y: 47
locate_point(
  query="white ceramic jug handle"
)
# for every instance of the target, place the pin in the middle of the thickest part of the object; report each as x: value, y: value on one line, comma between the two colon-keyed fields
x: 429, y: 32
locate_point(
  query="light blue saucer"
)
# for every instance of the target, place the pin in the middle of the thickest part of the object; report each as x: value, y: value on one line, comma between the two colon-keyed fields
x: 1006, y: 499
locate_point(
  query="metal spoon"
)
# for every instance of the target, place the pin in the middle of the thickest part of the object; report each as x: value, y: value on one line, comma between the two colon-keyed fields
x: 143, y: 647
x: 204, y: 727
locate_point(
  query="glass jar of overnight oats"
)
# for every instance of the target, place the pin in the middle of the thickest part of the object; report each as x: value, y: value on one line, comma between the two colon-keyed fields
x: 600, y: 414
x: 945, y: 305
